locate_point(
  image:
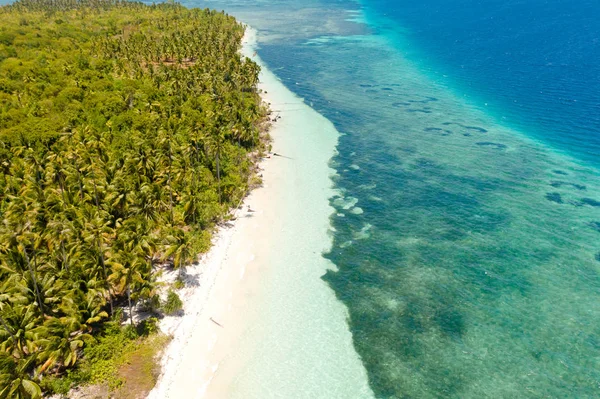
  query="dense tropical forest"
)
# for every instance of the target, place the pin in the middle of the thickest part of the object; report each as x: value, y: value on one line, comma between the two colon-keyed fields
x: 127, y: 132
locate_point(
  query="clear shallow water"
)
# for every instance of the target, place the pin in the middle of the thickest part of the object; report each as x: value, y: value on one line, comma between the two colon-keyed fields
x: 299, y: 345
x: 467, y: 251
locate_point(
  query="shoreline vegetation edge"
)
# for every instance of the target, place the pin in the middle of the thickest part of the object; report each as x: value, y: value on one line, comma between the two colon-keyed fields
x: 230, y: 314
x: 204, y: 275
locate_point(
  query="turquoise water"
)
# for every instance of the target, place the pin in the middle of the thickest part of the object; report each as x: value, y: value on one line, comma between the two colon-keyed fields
x: 533, y: 63
x: 466, y: 245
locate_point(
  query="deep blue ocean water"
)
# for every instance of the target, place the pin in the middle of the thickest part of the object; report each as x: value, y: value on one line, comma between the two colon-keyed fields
x: 535, y: 63
x: 466, y: 231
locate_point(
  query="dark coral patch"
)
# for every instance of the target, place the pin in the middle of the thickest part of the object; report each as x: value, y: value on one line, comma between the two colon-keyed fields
x: 558, y: 184
x: 597, y: 257
x: 425, y: 163
x: 427, y: 100
x: 497, y: 146
x: 595, y: 225
x: 451, y: 322
x: 443, y: 132
x: 475, y: 128
x: 554, y: 197
x: 423, y: 111
x: 590, y: 202
x: 560, y: 172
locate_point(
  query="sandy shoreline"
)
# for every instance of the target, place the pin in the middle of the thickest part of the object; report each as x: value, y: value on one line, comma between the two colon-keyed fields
x: 260, y: 283
x: 217, y: 281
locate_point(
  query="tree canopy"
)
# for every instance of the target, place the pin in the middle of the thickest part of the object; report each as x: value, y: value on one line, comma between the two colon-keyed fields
x: 126, y: 133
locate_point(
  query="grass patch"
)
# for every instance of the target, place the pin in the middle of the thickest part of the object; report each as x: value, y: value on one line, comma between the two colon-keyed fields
x: 123, y: 359
x: 138, y: 369
x: 173, y: 304
x: 178, y: 284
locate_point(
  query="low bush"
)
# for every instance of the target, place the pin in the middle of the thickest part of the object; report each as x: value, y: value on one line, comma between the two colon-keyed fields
x: 173, y: 304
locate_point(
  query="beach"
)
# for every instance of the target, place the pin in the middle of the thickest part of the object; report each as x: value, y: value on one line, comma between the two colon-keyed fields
x: 259, y: 321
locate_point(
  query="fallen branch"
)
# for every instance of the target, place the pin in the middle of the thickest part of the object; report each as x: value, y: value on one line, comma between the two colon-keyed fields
x: 211, y: 319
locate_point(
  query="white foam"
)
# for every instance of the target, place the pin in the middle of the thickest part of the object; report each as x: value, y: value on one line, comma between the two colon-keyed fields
x: 345, y: 203
x: 364, y: 233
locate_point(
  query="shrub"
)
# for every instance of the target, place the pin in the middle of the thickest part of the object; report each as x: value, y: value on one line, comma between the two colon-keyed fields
x: 148, y: 326
x: 173, y: 303
x: 63, y: 384
x: 178, y: 284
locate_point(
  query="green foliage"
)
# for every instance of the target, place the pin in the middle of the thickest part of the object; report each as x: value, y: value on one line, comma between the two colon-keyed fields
x: 104, y: 357
x: 58, y: 385
x: 62, y: 384
x: 99, y: 363
x: 14, y: 380
x: 178, y: 284
x: 173, y: 303
x: 151, y: 304
x: 125, y: 135
x: 148, y: 327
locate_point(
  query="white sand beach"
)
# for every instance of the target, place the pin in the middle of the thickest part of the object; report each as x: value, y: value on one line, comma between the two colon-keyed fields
x: 259, y: 322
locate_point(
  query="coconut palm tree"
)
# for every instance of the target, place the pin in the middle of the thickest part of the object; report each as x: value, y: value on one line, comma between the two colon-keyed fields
x: 64, y: 343
x: 15, y: 379
x: 180, y: 249
x: 140, y: 144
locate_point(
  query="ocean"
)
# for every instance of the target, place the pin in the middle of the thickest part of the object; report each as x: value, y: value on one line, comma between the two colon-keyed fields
x: 467, y: 209
x: 531, y: 64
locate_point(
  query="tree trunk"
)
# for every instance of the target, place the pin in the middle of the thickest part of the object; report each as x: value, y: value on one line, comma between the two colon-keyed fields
x: 96, y: 192
x: 180, y: 270
x: 170, y: 188
x: 80, y: 184
x: 8, y: 330
x: 197, y: 152
x: 101, y: 257
x: 62, y: 188
x: 66, y: 263
x: 219, y: 175
x: 130, y: 307
x: 37, y: 291
x: 110, y: 298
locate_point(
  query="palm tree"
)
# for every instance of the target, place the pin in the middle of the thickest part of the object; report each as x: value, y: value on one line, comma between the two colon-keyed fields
x: 15, y: 380
x: 34, y: 281
x: 97, y: 232
x: 131, y: 265
x: 215, y: 140
x: 62, y: 348
x: 23, y: 330
x: 152, y: 158
x: 180, y: 249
